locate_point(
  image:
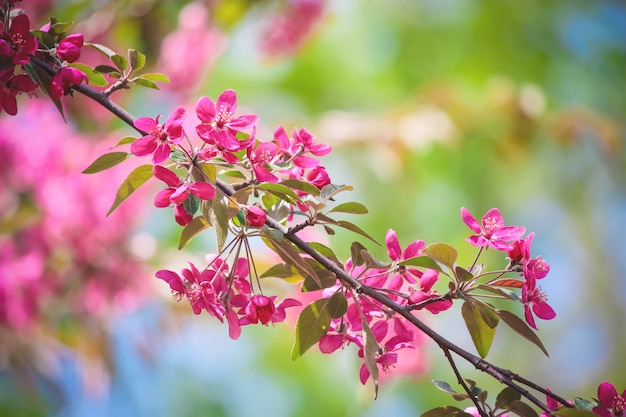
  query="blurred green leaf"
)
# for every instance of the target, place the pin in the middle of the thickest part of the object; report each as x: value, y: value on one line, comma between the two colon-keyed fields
x: 351, y: 207
x: 120, y: 62
x: 136, y: 60
x: 196, y: 226
x: 135, y: 179
x: 106, y: 161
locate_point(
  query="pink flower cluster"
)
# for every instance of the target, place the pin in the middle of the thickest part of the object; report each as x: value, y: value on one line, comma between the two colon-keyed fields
x: 494, y: 234
x: 226, y: 293
x: 230, y: 139
x: 17, y: 45
x: 392, y: 333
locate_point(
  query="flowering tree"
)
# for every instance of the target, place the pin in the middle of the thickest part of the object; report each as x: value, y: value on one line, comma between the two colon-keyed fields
x: 221, y: 176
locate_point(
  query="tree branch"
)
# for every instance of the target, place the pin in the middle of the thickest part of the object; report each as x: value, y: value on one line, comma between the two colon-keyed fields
x: 503, y: 376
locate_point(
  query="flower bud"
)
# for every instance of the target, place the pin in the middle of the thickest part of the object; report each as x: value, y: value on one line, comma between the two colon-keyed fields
x: 255, y: 216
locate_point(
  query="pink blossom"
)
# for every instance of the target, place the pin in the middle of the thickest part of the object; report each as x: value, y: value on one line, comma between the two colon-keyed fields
x: 68, y: 48
x: 535, y: 302
x: 610, y: 403
x: 219, y: 125
x: 318, y: 177
x: 18, y: 43
x: 397, y: 255
x: 178, y: 192
x: 428, y: 279
x: 303, y: 142
x: 11, y: 86
x: 493, y: 232
x: 260, y: 309
x: 64, y: 80
x: 261, y: 156
x: 159, y: 139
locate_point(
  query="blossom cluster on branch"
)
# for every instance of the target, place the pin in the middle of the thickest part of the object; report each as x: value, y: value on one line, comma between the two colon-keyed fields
x: 224, y: 178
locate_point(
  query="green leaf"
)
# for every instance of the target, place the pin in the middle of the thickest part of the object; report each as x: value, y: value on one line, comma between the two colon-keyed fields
x: 155, y: 76
x: 327, y: 252
x: 94, y: 77
x: 120, y: 62
x: 370, y: 350
x: 218, y: 217
x: 356, y: 229
x: 462, y: 274
x: 191, y: 204
x: 521, y: 328
x: 442, y: 253
x: 125, y: 141
x: 522, y: 409
x: 287, y: 272
x: 101, y: 48
x: 446, y: 411
x: 422, y: 261
x: 135, y: 179
x: 290, y: 255
x: 355, y: 253
x: 197, y: 225
x: 351, y: 207
x: 281, y: 191
x: 331, y: 190
x: 43, y: 79
x: 136, y: 60
x: 506, y: 397
x: 337, y: 305
x: 299, y: 185
x: 572, y: 412
x: 481, y: 323
x: 584, y: 404
x: 105, y: 69
x: 106, y: 161
x: 313, y: 323
x: 445, y: 387
x: 144, y: 82
x: 325, y: 278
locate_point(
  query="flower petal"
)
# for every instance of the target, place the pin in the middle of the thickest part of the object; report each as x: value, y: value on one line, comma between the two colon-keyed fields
x: 470, y: 221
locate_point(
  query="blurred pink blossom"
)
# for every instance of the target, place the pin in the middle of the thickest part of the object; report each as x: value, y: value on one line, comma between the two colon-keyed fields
x: 59, y: 253
x: 188, y: 52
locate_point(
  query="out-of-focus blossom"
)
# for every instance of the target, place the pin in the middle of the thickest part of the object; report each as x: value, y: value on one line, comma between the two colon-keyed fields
x: 188, y: 52
x: 59, y: 243
x: 288, y: 30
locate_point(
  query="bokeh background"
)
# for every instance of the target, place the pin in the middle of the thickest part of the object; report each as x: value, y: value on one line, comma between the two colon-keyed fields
x: 430, y: 105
